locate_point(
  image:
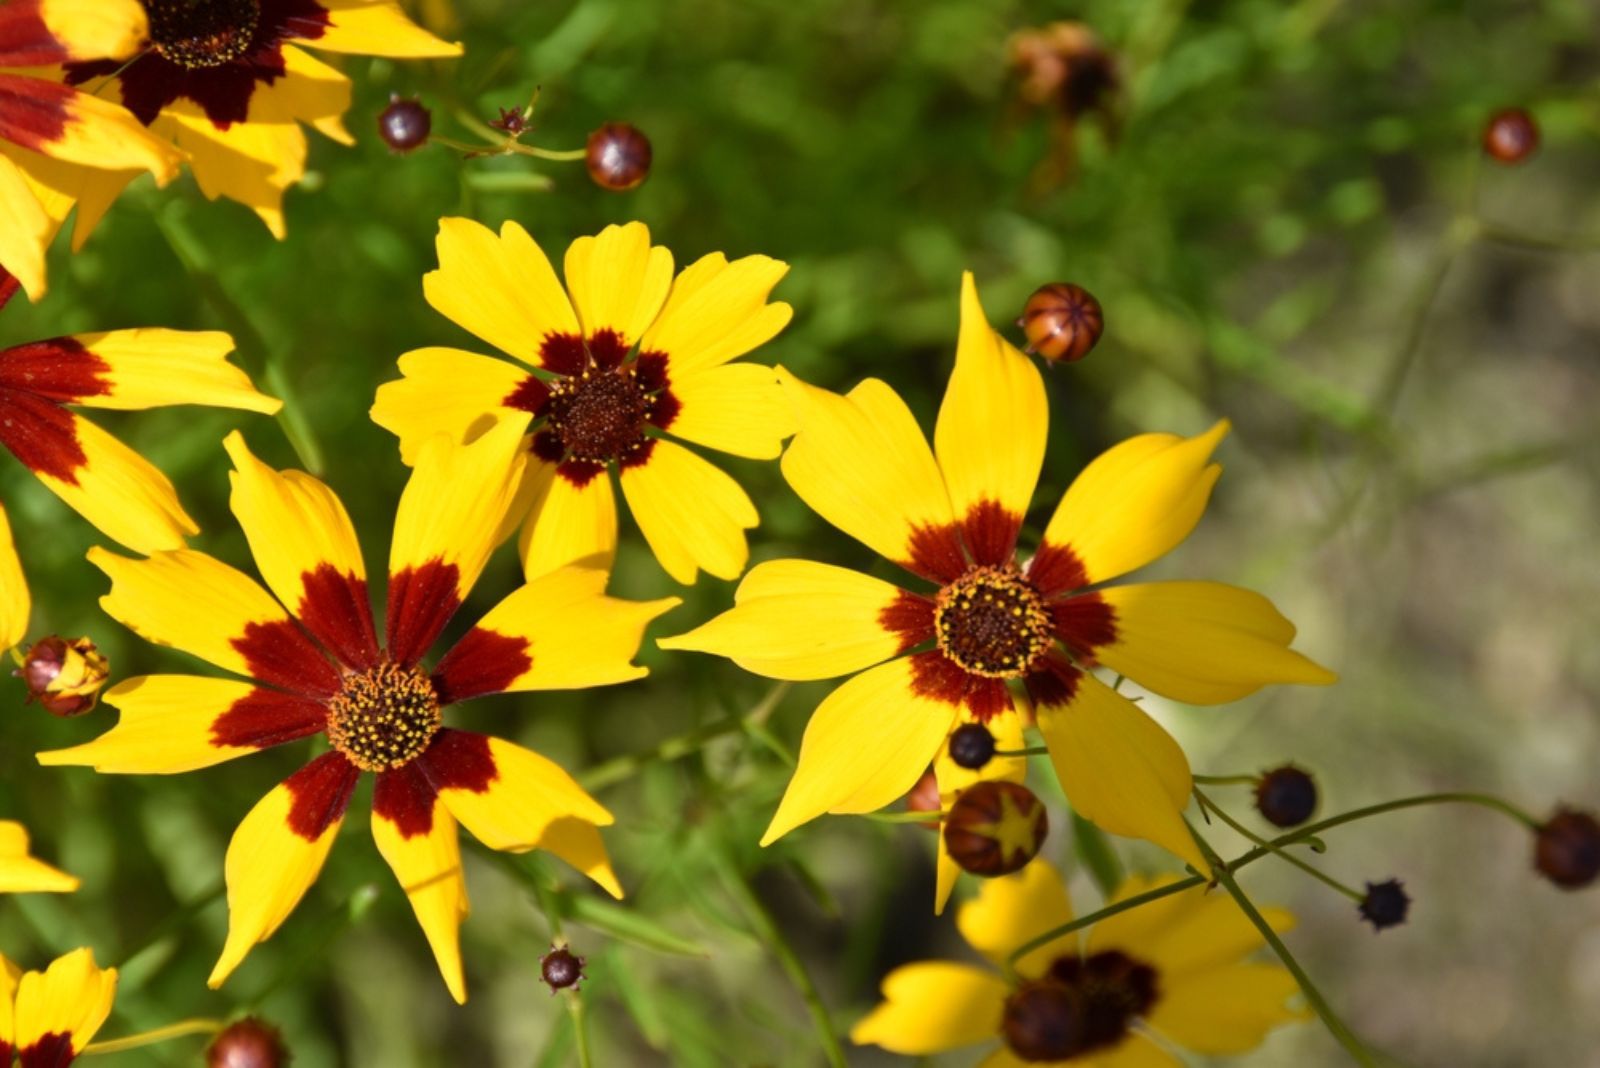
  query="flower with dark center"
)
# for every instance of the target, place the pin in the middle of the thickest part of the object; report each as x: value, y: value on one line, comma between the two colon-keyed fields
x: 561, y: 968
x: 1385, y: 904
x: 404, y: 125
x: 1567, y: 849
x: 51, y: 1016
x: 248, y: 1043
x: 618, y: 157
x: 971, y: 746
x: 620, y: 372
x: 979, y: 614
x: 994, y: 828
x: 1286, y: 796
x: 225, y: 70
x: 1510, y: 136
x: 1174, y: 974
x: 315, y: 666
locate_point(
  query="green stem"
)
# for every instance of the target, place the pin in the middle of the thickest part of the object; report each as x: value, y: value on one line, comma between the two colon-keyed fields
x: 1094, y: 851
x: 1095, y: 917
x: 904, y: 817
x: 1032, y: 750
x: 681, y: 745
x: 1206, y: 804
x: 580, y: 1028
x: 544, y: 892
x: 558, y: 155
x: 1227, y: 780
x: 150, y: 1038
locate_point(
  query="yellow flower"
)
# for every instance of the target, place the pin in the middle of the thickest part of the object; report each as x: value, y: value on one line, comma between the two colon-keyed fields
x: 52, y: 135
x: 381, y: 710
x: 46, y: 1018
x: 952, y: 516
x: 21, y: 873
x: 1174, y: 967
x: 228, y: 83
x: 604, y: 408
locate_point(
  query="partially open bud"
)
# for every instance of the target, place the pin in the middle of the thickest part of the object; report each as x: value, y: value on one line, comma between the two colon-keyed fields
x: 1567, y: 849
x: 248, y: 1043
x: 560, y: 968
x: 1286, y: 796
x: 1045, y: 1021
x: 995, y: 827
x: 1062, y: 322
x: 1511, y: 136
x: 618, y: 156
x: 1385, y: 905
x: 971, y: 746
x: 404, y: 125
x: 924, y: 797
x: 65, y: 677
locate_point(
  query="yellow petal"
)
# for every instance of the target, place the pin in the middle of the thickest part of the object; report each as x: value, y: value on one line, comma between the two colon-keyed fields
x: 72, y: 998
x: 96, y: 29
x: 153, y: 367
x: 417, y: 837
x: 502, y: 289
x: 567, y: 523
x: 91, y: 131
x: 990, y: 436
x: 1225, y: 1010
x: 1136, y: 501
x: 14, y: 603
x: 377, y: 28
x: 308, y: 91
x: 1120, y: 769
x: 692, y: 513
x: 1203, y: 642
x: 795, y: 619
x: 1006, y: 726
x: 444, y: 391
x: 1201, y: 930
x: 60, y: 187
x: 21, y: 872
x: 176, y: 723
x: 25, y: 230
x: 618, y: 280
x: 866, y: 745
x: 718, y: 311
x: 861, y: 463
x: 739, y: 408
x: 1014, y: 909
x: 933, y: 1006
x: 277, y: 853
x: 1136, y: 1051
x: 1136, y: 927
x: 559, y: 632
x: 10, y: 976
x: 249, y: 162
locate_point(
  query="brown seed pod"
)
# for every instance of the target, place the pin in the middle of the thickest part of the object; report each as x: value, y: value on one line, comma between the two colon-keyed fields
x: 995, y: 827
x: 924, y: 797
x: 1511, y: 136
x: 1567, y: 849
x: 618, y: 156
x: 1286, y: 796
x: 561, y: 968
x: 404, y: 125
x: 1062, y: 322
x: 247, y: 1043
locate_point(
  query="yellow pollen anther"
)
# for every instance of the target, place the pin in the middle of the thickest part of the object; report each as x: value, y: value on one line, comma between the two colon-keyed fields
x: 384, y: 718
x: 992, y: 622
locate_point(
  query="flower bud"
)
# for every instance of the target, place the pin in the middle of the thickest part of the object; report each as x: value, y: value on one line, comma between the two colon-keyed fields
x: 1385, y: 905
x: 1567, y: 849
x: 924, y: 797
x: 1511, y: 136
x: 618, y: 156
x: 560, y: 968
x: 1286, y: 796
x: 1062, y: 322
x: 64, y: 677
x: 404, y: 125
x: 995, y: 827
x: 971, y: 746
x: 247, y: 1043
x: 1045, y: 1021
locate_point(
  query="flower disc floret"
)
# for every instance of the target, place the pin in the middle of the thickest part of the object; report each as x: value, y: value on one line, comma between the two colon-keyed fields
x: 198, y: 34
x: 992, y: 622
x: 385, y: 717
x: 600, y: 415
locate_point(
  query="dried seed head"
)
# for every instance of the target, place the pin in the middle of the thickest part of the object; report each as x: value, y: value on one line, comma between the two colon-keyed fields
x: 618, y: 156
x: 1567, y: 849
x: 248, y: 1043
x: 64, y: 677
x: 995, y: 827
x: 1385, y: 905
x: 1286, y: 796
x: 971, y: 746
x: 1511, y: 136
x: 1062, y: 322
x: 560, y: 968
x: 404, y: 125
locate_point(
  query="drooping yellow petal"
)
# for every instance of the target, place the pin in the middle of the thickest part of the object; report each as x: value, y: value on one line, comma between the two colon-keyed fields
x: 277, y: 852
x: 1204, y: 643
x: 866, y: 745
x: 377, y: 28
x: 25, y: 229
x: 154, y: 367
x: 1201, y: 930
x: 933, y: 1006
x: 739, y: 408
x: 1015, y: 909
x: 502, y: 289
x: 1136, y: 927
x: 567, y: 523
x: 250, y: 162
x: 60, y: 187
x: 1006, y: 726
x: 618, y: 280
x: 177, y: 723
x: 14, y: 603
x: 1120, y: 769
x: 309, y: 91
x: 795, y: 619
x: 444, y: 391
x: 861, y: 463
x: 23, y: 873
x: 418, y: 838
x: 990, y: 437
x: 718, y: 311
x: 71, y: 998
x: 1136, y: 501
x: 1225, y: 1010
x: 691, y: 512
x: 1136, y: 1051
x: 10, y: 976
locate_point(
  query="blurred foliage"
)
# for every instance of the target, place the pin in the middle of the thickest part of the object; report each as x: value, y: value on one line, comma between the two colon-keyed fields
x: 1293, y: 228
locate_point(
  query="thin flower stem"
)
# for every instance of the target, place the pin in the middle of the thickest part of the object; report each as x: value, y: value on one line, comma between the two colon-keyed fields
x: 904, y: 817
x: 1032, y: 750
x: 558, y: 155
x: 1095, y: 917
x: 681, y: 745
x: 1090, y: 845
x: 1226, y: 780
x: 580, y: 1028
x: 544, y: 892
x: 1282, y: 854
x: 150, y: 1038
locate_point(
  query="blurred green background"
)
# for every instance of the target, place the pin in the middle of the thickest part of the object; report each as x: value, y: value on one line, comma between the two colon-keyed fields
x: 1293, y: 227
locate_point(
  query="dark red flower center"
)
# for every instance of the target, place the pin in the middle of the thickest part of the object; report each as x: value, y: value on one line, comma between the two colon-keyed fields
x: 196, y: 34
x: 384, y: 717
x: 992, y: 622
x: 600, y: 415
x: 1080, y: 1005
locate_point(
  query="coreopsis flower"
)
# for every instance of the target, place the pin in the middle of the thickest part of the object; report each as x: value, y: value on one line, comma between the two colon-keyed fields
x: 1174, y: 968
x: 124, y: 495
x: 23, y: 873
x: 633, y: 355
x: 951, y: 516
x: 312, y: 665
x: 48, y: 1017
x: 52, y: 134
x: 64, y: 677
x: 229, y: 83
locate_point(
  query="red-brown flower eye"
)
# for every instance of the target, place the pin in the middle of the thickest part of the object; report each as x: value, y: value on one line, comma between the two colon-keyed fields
x: 405, y: 124
x: 600, y: 415
x: 248, y: 1043
x: 995, y: 827
x: 618, y: 156
x: 1044, y: 1021
x: 383, y: 718
x: 196, y: 34
x: 1062, y: 322
x: 991, y: 622
x: 1511, y: 136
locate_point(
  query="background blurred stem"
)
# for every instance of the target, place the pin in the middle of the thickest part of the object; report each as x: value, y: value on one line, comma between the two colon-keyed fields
x: 679, y: 746
x: 150, y: 1038
x: 1094, y: 850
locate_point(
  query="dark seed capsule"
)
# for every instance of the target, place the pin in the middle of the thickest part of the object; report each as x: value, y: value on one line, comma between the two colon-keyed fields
x: 1286, y: 796
x: 404, y: 125
x: 247, y: 1043
x: 1385, y: 905
x: 971, y: 746
x: 995, y: 827
x: 560, y: 968
x: 1062, y: 322
x: 618, y: 156
x: 1045, y: 1021
x: 1511, y: 136
x: 1567, y: 849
